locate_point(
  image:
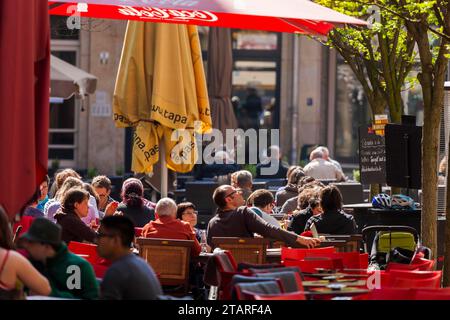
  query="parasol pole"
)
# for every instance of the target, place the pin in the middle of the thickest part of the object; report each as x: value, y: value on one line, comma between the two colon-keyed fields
x: 163, y: 169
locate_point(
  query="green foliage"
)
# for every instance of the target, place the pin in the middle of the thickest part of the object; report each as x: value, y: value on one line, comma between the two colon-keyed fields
x: 92, y: 172
x: 356, y: 175
x: 55, y: 164
x: 251, y: 168
x: 381, y: 56
x: 119, y: 172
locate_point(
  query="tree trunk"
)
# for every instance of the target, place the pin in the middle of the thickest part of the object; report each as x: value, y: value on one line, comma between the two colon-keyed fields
x: 430, y: 144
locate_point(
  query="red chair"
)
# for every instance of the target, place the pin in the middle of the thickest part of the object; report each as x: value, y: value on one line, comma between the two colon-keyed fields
x: 247, y: 291
x: 86, y: 249
x: 350, y: 260
x: 138, y: 232
x: 432, y: 294
x: 419, y: 265
x: 310, y: 265
x: 300, y: 254
x: 101, y: 267
x: 413, y: 279
x: 299, y: 295
x: 387, y: 294
x: 227, y: 268
x: 290, y: 281
x: 25, y: 223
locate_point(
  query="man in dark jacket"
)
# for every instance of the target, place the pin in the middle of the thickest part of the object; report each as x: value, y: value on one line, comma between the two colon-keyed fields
x: 235, y: 220
x: 70, y: 276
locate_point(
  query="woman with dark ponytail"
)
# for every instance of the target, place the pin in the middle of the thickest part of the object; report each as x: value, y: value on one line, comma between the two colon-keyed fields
x: 74, y: 207
x: 133, y: 206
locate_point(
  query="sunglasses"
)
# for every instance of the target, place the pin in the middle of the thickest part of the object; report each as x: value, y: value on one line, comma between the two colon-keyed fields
x: 235, y: 191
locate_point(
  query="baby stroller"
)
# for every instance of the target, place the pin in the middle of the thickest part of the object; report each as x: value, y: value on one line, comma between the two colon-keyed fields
x: 392, y: 244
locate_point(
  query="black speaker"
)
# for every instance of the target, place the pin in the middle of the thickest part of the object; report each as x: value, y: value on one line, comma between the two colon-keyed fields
x: 403, y: 155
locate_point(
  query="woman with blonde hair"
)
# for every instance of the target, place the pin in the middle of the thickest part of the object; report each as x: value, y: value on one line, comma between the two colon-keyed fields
x: 69, y: 183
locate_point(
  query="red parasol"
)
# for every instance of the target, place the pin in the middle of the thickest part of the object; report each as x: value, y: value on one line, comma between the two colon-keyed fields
x: 296, y: 16
x: 24, y: 92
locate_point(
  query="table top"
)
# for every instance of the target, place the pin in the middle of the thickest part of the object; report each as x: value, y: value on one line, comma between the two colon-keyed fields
x: 339, y: 292
x: 324, y: 283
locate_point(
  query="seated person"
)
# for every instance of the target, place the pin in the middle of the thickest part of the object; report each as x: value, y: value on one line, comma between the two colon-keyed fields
x: 321, y: 169
x: 243, y: 180
x: 292, y: 204
x: 222, y: 166
x: 309, y: 203
x: 129, y: 277
x: 133, y: 204
x: 186, y: 212
x: 102, y: 186
x: 43, y: 199
x: 291, y: 189
x: 167, y: 226
x: 274, y: 159
x: 261, y: 202
x: 70, y: 276
x: 74, y: 207
x: 52, y: 207
x: 333, y: 220
x: 233, y: 219
x: 31, y: 209
x: 15, y: 270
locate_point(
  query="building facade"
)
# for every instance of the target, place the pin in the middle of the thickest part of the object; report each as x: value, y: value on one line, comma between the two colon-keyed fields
x: 304, y: 88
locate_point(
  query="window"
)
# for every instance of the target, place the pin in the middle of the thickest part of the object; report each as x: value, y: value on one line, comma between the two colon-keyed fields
x: 65, y: 44
x: 59, y: 30
x: 256, y: 75
x: 352, y: 110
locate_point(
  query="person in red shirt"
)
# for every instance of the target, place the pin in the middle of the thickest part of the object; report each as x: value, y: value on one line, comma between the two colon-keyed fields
x: 167, y: 226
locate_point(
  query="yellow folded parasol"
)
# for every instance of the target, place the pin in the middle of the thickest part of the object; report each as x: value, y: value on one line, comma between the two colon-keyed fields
x: 161, y: 91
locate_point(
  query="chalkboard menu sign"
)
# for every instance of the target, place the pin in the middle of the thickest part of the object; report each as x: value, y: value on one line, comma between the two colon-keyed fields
x: 372, y: 157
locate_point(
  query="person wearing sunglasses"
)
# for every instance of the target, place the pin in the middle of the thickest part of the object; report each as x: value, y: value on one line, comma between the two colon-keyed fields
x: 129, y: 277
x: 233, y: 219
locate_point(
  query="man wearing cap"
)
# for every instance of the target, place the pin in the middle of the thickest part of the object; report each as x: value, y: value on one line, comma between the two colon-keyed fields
x: 70, y: 276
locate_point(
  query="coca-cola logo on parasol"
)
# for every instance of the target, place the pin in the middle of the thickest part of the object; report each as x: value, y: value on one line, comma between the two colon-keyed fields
x: 167, y: 14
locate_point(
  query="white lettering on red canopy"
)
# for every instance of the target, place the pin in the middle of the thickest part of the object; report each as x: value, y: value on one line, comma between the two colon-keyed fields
x: 167, y: 14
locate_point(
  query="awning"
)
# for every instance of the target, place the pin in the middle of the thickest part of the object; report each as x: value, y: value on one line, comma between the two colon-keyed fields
x: 296, y: 16
x: 67, y: 80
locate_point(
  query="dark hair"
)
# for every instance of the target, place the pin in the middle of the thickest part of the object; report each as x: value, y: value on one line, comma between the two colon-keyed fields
x: 219, y: 196
x: 88, y: 188
x: 292, y: 169
x: 34, y: 198
x: 122, y: 226
x: 183, y: 207
x: 295, y: 176
x: 331, y: 198
x: 6, y: 238
x: 101, y: 182
x: 75, y: 195
x: 132, y: 194
x: 46, y: 179
x: 314, y: 202
x: 262, y: 198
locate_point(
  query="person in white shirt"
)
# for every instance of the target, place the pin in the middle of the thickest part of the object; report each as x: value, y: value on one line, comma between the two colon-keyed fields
x: 321, y: 169
x: 326, y: 156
